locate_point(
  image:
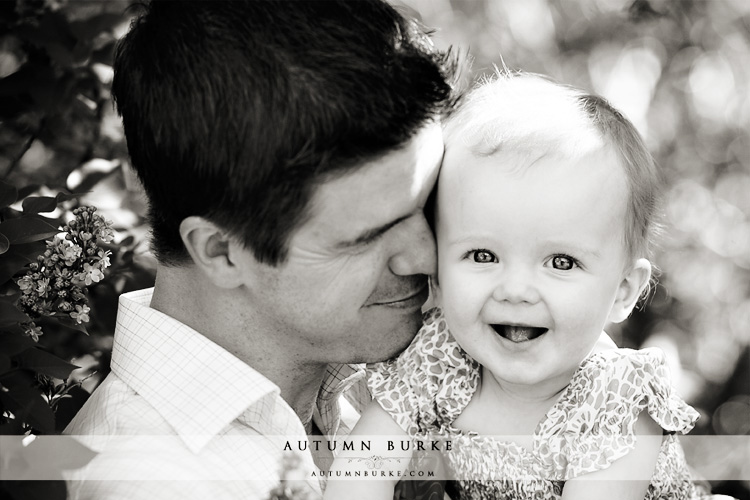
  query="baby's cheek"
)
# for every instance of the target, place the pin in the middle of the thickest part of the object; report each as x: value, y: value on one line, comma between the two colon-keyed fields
x: 579, y: 321
x: 456, y: 289
x: 462, y: 301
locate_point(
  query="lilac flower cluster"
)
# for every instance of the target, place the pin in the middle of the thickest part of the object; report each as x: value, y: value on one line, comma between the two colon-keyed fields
x: 292, y: 485
x: 56, y: 284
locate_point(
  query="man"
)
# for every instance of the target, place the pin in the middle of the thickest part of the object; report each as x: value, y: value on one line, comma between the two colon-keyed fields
x: 287, y: 151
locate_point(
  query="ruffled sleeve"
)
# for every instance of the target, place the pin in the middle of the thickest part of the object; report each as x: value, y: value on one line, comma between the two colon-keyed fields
x: 593, y: 424
x: 429, y: 383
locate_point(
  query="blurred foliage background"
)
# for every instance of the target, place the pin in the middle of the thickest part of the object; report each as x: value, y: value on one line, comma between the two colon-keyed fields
x: 679, y: 69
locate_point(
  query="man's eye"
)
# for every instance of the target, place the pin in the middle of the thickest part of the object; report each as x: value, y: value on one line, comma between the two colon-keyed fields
x: 563, y: 262
x: 483, y: 256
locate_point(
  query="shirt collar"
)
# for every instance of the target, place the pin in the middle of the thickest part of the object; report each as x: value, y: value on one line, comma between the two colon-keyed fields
x: 196, y: 386
x: 338, y: 379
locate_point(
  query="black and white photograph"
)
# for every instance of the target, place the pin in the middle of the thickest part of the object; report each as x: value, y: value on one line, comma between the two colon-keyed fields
x: 374, y: 249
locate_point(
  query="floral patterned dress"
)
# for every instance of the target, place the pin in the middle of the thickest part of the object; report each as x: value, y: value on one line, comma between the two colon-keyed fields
x: 588, y: 428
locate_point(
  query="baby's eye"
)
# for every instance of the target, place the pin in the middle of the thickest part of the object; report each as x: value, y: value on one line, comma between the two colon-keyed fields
x: 483, y: 256
x: 563, y: 262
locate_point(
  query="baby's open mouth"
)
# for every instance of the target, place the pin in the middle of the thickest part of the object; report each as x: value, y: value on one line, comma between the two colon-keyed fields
x: 516, y: 333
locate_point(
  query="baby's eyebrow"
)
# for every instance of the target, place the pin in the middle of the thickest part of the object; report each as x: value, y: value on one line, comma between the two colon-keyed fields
x: 592, y: 253
x: 555, y: 247
x: 589, y: 252
x: 370, y: 234
x: 485, y: 240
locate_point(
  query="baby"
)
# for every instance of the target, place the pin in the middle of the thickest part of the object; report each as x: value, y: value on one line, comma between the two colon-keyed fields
x: 545, y: 208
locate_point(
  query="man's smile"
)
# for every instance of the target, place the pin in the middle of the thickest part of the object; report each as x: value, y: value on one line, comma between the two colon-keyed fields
x: 413, y: 298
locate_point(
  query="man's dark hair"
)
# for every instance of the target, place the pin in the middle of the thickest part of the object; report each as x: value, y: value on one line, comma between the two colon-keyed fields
x: 235, y: 110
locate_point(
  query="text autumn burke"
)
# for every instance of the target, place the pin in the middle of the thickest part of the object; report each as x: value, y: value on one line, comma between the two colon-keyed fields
x: 353, y: 445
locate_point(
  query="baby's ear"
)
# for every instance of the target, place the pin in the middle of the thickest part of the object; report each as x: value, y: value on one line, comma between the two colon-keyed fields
x: 630, y: 290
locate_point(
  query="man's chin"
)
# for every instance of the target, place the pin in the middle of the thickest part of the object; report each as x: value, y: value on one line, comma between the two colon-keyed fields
x: 382, y: 334
x: 394, y: 348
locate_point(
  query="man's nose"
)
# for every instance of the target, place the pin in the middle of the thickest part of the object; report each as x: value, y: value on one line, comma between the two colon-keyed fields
x: 516, y: 285
x: 414, y: 248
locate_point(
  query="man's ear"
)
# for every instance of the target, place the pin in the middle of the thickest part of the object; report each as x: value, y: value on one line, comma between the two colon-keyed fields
x: 213, y: 250
x: 630, y: 290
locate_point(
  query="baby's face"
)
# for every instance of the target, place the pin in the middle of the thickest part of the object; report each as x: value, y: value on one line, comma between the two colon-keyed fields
x: 531, y: 258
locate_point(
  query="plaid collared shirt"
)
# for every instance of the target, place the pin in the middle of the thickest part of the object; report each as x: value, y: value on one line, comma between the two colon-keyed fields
x: 211, y: 423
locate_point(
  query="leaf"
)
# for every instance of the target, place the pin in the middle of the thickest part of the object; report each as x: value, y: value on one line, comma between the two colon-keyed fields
x: 10, y: 314
x: 25, y: 84
x: 11, y: 428
x: 13, y: 344
x: 17, y: 84
x: 27, y: 190
x: 35, y: 490
x: 127, y: 241
x: 67, y: 196
x: 68, y: 407
x: 28, y: 405
x: 91, y: 179
x: 4, y: 244
x: 69, y: 322
x: 10, y: 264
x: 13, y: 105
x: 27, y: 229
x: 37, y: 204
x: 34, y: 470
x: 17, y: 257
x: 61, y: 54
x: 49, y: 95
x: 104, y: 54
x: 89, y: 28
x: 22, y: 379
x: 51, y: 28
x: 43, y: 362
x: 8, y: 194
x: 56, y: 453
x: 15, y: 329
x: 29, y: 251
x: 82, y: 51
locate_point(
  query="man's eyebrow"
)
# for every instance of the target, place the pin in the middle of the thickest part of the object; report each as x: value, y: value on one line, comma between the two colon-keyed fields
x: 370, y: 234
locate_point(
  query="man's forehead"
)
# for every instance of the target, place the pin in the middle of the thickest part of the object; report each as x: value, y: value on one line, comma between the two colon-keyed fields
x: 383, y: 189
x: 429, y: 156
x: 417, y: 161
